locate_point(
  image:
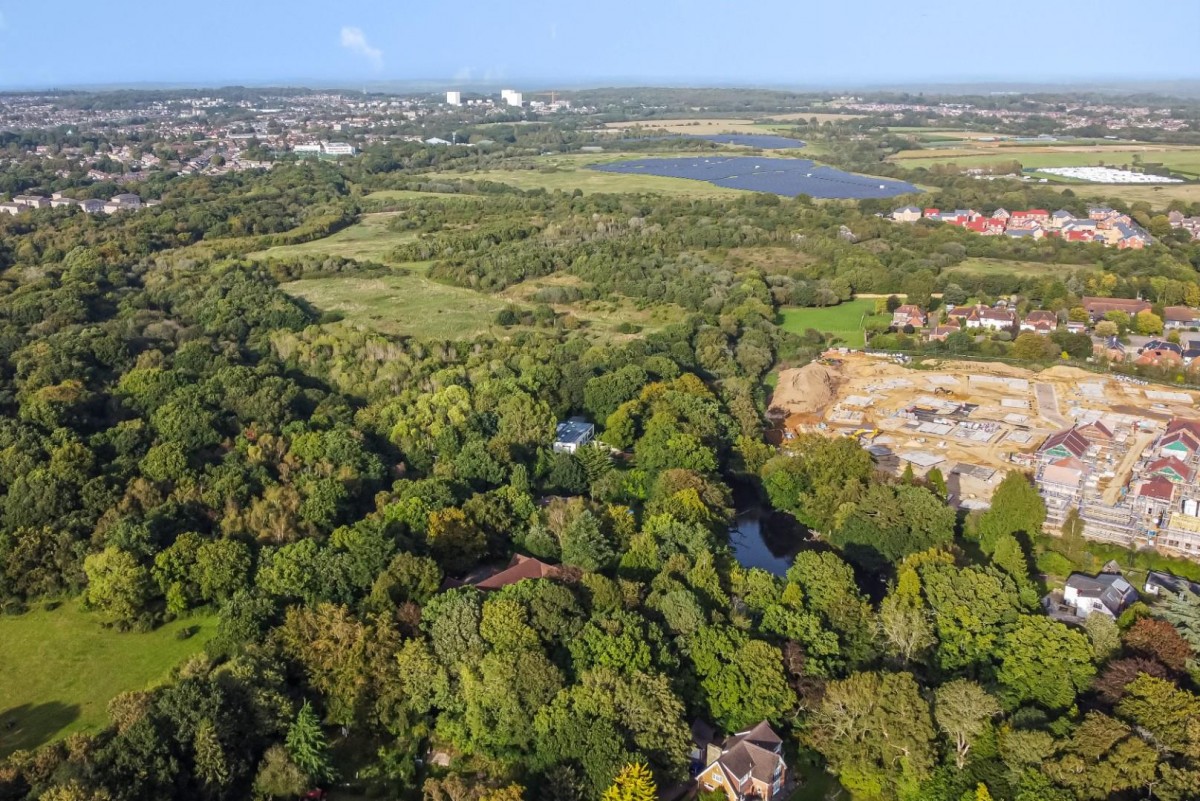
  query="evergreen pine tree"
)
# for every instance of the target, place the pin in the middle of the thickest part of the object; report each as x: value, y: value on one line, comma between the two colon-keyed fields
x: 306, y: 744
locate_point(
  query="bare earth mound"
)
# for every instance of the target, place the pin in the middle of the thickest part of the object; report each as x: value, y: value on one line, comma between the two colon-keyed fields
x: 806, y: 390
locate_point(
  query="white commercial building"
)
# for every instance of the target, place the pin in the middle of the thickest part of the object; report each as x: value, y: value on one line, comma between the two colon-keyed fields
x: 511, y: 97
x: 453, y: 98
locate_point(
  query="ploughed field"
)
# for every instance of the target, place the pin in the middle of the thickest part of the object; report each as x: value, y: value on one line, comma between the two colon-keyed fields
x: 787, y: 177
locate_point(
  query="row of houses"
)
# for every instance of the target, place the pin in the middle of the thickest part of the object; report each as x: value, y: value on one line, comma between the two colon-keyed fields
x: 1189, y: 224
x: 1104, y: 225
x: 1158, y: 504
x: 118, y: 203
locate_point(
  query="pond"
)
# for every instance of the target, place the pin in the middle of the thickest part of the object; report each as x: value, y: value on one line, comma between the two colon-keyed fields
x: 766, y: 542
x: 779, y: 176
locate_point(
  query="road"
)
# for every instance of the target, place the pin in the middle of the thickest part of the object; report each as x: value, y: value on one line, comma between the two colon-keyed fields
x: 1047, y: 400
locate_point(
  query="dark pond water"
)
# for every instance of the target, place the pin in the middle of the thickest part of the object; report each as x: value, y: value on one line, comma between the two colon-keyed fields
x: 759, y: 542
x: 780, y: 176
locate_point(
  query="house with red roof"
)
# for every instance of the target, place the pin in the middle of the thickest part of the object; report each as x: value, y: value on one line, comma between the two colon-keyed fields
x: 1040, y: 321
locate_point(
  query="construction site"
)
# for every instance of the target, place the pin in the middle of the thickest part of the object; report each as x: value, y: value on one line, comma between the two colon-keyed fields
x: 974, y: 421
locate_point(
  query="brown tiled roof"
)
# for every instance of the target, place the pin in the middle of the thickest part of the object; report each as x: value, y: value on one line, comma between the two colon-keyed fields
x: 1158, y: 487
x: 1180, y: 314
x: 1069, y: 438
x: 519, y: 569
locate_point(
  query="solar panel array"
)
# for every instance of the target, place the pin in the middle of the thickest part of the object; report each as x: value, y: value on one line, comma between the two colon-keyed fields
x: 787, y: 177
x: 765, y: 141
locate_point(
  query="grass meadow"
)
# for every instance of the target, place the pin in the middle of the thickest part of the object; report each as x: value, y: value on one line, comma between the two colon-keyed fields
x: 61, y: 668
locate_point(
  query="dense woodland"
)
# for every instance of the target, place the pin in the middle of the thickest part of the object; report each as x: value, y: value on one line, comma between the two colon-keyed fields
x: 180, y: 435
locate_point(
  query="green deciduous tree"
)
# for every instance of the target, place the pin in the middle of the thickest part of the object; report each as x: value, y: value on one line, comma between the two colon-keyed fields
x: 963, y: 710
x: 1044, y: 661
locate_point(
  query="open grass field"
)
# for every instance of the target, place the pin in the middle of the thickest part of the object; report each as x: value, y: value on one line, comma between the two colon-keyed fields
x: 1182, y: 159
x: 403, y: 305
x: 60, y: 669
x: 411, y: 194
x: 570, y: 172
x: 1024, y: 268
x: 844, y: 320
x: 1157, y: 196
x: 367, y: 240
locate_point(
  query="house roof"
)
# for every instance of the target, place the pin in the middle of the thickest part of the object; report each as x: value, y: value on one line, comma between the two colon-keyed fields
x: 1101, y: 305
x: 1041, y: 315
x: 1111, y: 589
x: 753, y: 752
x: 1159, y: 488
x: 1180, y: 314
x: 1170, y: 583
x: 1069, y: 439
x: 909, y: 308
x: 1171, y: 464
x: 577, y: 431
x: 1095, y: 430
x: 520, y: 568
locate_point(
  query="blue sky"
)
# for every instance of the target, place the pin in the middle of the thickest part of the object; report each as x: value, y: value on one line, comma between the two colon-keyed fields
x: 538, y: 43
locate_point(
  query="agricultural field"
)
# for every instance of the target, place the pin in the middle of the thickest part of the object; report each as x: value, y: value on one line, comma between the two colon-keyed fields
x: 1159, y: 197
x: 1182, y: 159
x: 845, y: 321
x: 61, y: 668
x: 367, y: 240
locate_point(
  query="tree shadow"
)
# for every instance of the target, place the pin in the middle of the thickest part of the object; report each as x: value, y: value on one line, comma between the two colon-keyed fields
x: 28, y: 726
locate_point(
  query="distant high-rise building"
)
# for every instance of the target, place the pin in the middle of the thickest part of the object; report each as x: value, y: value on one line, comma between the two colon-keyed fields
x: 453, y: 98
x: 511, y: 97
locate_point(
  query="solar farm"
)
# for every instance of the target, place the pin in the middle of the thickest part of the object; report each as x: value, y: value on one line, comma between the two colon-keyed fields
x: 787, y: 177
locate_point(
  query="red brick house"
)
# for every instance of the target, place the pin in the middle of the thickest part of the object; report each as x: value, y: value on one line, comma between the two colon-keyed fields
x: 750, y: 765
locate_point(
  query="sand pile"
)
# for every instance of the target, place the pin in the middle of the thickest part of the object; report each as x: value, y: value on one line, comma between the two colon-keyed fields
x: 805, y: 390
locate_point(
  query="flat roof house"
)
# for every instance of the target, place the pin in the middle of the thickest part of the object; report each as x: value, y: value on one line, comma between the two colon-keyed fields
x: 573, y: 434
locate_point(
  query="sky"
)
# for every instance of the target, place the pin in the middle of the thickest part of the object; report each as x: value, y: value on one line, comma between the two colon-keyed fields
x: 543, y: 44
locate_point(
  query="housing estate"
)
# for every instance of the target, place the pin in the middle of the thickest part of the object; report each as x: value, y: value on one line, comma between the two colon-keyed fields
x: 1103, y: 225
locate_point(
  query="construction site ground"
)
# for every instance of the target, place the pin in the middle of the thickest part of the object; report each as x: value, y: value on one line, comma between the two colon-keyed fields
x: 907, y: 415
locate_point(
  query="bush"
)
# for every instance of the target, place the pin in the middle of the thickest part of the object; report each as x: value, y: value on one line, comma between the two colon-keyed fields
x: 1055, y: 564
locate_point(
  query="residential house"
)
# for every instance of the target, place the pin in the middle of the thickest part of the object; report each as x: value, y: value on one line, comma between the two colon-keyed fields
x: 1158, y: 582
x: 1030, y: 232
x: 32, y: 201
x: 1181, y: 317
x: 1098, y: 307
x: 59, y: 202
x: 1061, y: 218
x: 1040, y: 321
x: 906, y: 214
x: 1076, y: 327
x: 1064, y: 444
x: 991, y: 318
x: 11, y: 208
x: 1096, y: 433
x: 520, y: 568
x: 1181, y: 439
x: 1108, y: 594
x: 1170, y: 468
x: 572, y: 434
x: 1154, y: 499
x: 939, y: 333
x: 1110, y: 349
x: 92, y: 205
x: 749, y: 766
x: 1160, y: 354
x: 1039, y: 217
x: 908, y: 314
x: 1001, y: 214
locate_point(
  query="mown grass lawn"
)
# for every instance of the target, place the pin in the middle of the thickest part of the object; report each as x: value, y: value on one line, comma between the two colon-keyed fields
x: 1014, y: 267
x: 844, y: 321
x: 59, y: 668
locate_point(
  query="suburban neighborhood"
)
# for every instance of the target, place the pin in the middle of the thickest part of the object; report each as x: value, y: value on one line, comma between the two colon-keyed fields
x: 1102, y: 224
